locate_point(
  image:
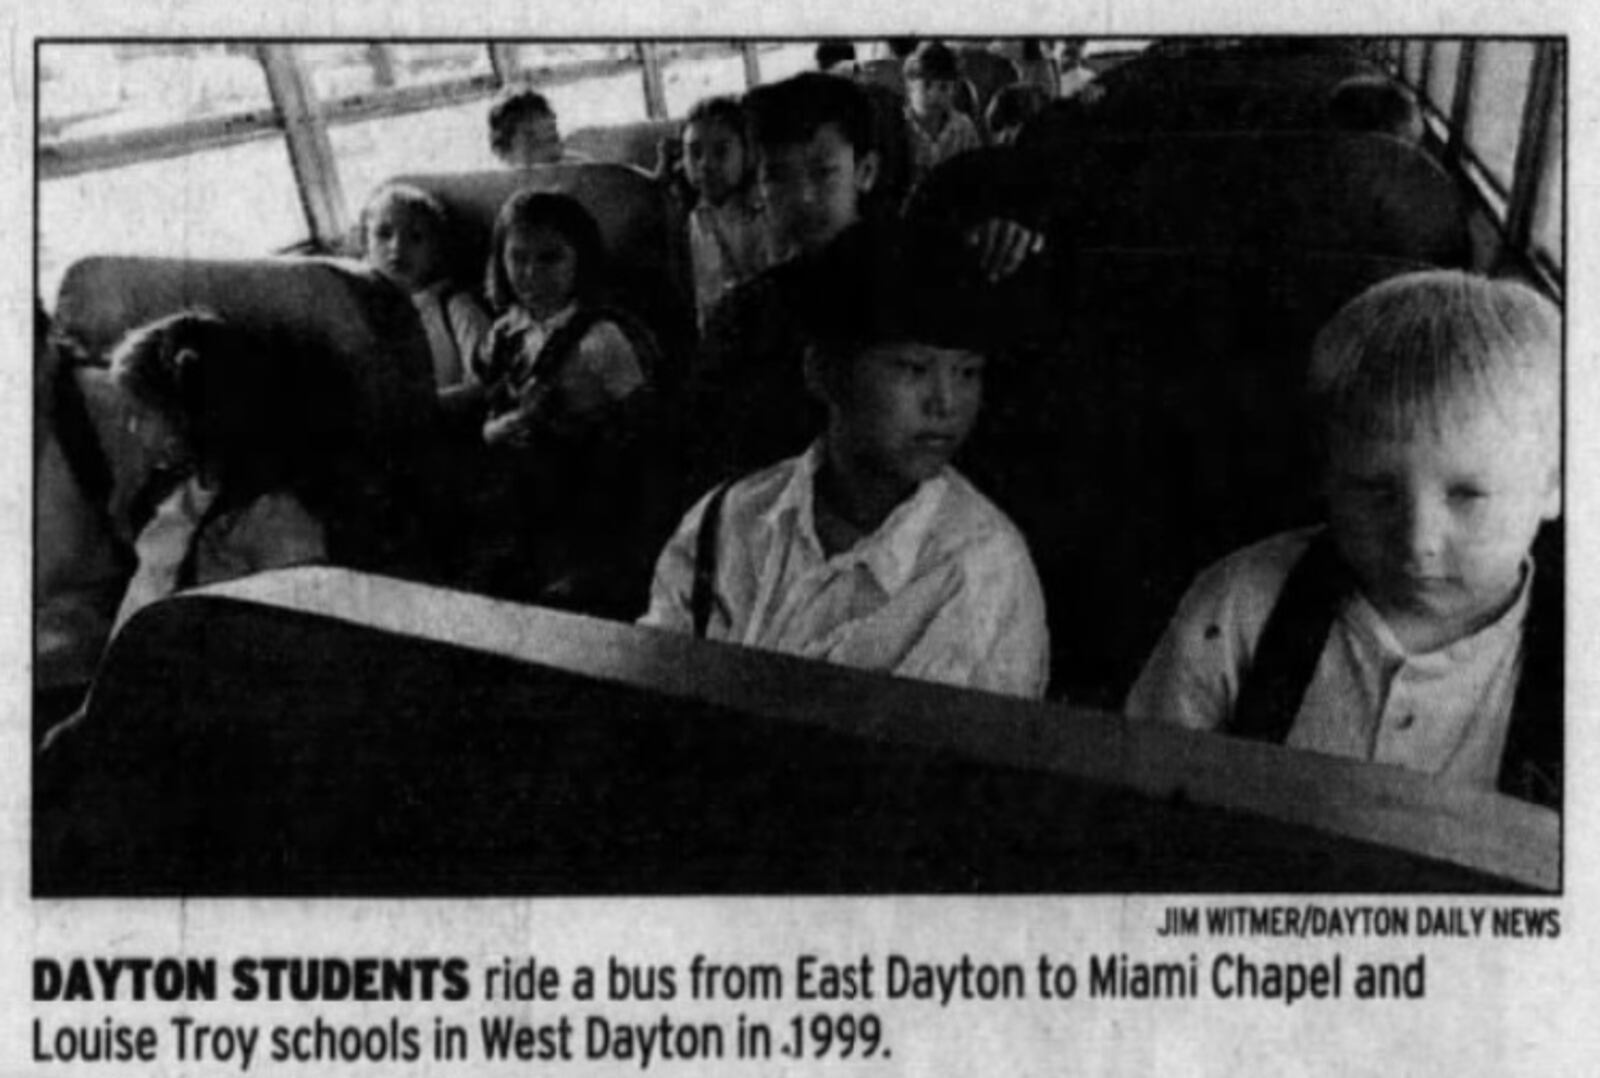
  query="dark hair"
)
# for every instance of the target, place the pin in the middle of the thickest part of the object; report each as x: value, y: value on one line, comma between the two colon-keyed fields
x: 515, y: 106
x: 1373, y: 103
x: 224, y: 390
x: 1014, y: 104
x: 792, y: 111
x: 724, y: 109
x: 527, y: 210
x: 933, y: 62
x: 885, y: 284
x: 901, y: 47
x: 834, y: 50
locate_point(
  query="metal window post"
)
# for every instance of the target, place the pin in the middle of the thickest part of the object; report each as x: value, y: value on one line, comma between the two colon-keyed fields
x: 310, y: 152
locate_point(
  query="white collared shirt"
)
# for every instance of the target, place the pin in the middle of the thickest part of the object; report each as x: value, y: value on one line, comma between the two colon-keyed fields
x: 604, y: 368
x: 1445, y: 712
x: 944, y: 590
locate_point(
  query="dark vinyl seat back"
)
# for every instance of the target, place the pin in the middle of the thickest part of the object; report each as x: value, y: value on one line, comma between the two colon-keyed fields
x: 1153, y: 424
x: 624, y: 144
x: 988, y: 73
x: 1360, y: 194
x: 265, y: 745
x: 1226, y: 90
x: 353, y: 353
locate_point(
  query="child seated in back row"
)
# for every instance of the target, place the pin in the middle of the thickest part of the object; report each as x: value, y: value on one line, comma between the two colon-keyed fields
x: 405, y: 235
x: 729, y: 238
x: 868, y: 549
x: 939, y: 130
x: 1418, y: 628
x: 523, y: 131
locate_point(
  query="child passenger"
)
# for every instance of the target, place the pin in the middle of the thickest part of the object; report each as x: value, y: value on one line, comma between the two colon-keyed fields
x: 567, y: 381
x: 729, y: 241
x: 523, y: 131
x: 556, y: 360
x: 868, y: 549
x: 1419, y: 627
x: 405, y: 234
x: 939, y: 130
x: 207, y: 402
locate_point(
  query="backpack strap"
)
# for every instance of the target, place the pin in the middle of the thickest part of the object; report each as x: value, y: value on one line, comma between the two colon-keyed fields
x: 1290, y: 645
x: 1531, y: 768
x: 703, y: 594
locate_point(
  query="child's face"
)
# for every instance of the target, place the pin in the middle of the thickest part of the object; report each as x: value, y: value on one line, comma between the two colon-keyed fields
x: 542, y: 268
x: 535, y: 141
x: 1436, y: 526
x: 404, y: 244
x: 813, y: 188
x: 713, y: 157
x: 903, y: 410
x: 931, y: 98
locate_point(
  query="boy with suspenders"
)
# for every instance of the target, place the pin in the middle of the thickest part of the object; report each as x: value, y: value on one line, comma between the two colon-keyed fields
x: 1423, y: 626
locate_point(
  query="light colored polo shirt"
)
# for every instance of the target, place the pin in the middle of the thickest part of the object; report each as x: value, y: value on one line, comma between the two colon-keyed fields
x: 1444, y: 712
x: 944, y: 590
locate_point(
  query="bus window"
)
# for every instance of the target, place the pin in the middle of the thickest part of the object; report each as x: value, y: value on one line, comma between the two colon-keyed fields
x: 111, y: 116
x: 588, y: 84
x: 1411, y: 63
x: 691, y: 73
x: 1501, y: 71
x: 1548, y: 205
x: 384, y: 102
x: 780, y: 59
x: 1443, y: 66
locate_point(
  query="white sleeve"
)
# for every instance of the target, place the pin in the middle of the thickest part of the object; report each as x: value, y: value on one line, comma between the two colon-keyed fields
x: 1194, y: 675
x: 673, y: 584
x: 991, y: 633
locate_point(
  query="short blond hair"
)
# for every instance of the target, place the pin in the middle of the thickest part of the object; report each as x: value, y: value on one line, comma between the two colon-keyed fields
x: 1404, y: 355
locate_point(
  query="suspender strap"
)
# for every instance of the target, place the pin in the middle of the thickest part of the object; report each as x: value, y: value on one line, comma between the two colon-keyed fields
x: 1286, y: 655
x: 1531, y: 766
x: 703, y: 595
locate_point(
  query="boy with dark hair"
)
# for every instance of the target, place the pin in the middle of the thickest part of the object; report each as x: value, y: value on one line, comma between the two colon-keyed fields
x: 815, y: 169
x: 1422, y: 626
x: 522, y: 128
x: 868, y: 549
x: 939, y: 130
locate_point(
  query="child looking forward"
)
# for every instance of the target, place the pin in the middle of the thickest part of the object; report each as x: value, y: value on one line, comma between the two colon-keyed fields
x: 729, y: 241
x: 405, y: 234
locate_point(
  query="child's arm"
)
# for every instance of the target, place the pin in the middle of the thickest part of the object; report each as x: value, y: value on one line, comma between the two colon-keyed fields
x: 672, y: 586
x: 1192, y: 677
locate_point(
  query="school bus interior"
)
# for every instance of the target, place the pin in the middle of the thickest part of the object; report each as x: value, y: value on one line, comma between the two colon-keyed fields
x: 395, y: 726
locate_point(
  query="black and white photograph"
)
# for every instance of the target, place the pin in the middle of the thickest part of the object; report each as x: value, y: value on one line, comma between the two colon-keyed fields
x: 1018, y: 527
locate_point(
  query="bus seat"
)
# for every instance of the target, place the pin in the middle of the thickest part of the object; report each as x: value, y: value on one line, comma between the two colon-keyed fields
x: 1161, y: 430
x: 987, y: 73
x: 625, y: 144
x: 644, y: 244
x: 1361, y: 194
x: 320, y: 732
x: 349, y: 335
x: 885, y: 71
